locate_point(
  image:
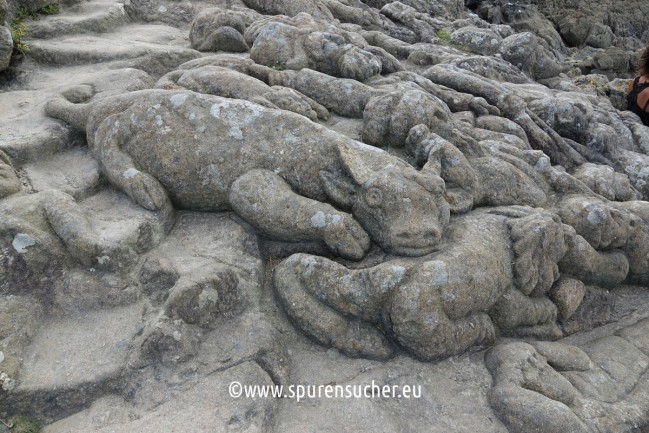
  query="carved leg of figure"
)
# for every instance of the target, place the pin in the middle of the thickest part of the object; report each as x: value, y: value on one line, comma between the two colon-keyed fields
x: 266, y: 201
x: 416, y: 318
x: 295, y: 280
x: 594, y: 267
x: 70, y: 223
x: 530, y: 396
x: 517, y: 314
x: 143, y: 188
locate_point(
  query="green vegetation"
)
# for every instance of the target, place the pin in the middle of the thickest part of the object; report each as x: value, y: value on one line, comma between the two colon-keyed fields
x: 276, y: 66
x: 443, y: 35
x: 18, y: 23
x: 22, y: 424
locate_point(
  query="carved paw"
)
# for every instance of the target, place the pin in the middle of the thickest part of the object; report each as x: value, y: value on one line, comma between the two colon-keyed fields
x: 202, y: 299
x: 145, y: 189
x: 345, y: 237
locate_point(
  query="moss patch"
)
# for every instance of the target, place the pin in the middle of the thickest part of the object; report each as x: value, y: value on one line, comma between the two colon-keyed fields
x: 18, y: 24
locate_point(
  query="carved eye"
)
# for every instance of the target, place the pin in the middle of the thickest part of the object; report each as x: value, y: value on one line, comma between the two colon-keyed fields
x: 373, y: 197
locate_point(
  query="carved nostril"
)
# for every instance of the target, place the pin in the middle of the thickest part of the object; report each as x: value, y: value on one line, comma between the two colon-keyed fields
x: 433, y: 233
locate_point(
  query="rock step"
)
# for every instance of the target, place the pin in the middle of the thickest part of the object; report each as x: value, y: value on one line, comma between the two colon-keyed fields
x: 118, y: 219
x: 91, y: 17
x: 206, y: 406
x: 72, y: 362
x: 25, y: 133
x: 152, y: 48
x: 75, y: 172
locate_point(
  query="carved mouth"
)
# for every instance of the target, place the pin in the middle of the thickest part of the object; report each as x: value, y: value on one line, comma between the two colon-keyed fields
x: 410, y: 251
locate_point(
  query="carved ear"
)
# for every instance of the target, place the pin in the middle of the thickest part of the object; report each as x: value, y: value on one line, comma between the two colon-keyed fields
x: 340, y: 189
x: 446, y: 161
x: 355, y: 166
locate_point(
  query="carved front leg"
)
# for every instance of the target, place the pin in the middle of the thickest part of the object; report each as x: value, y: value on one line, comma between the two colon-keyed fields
x: 267, y: 202
x: 122, y: 172
x: 315, y: 297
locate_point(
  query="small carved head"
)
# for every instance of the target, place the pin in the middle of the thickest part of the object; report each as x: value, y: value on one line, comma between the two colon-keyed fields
x: 403, y: 210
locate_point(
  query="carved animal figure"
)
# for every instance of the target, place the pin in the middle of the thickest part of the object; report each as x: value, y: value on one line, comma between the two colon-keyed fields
x: 279, y: 171
x: 498, y: 272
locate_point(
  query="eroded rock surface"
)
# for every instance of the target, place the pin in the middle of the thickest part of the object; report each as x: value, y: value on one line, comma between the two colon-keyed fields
x: 445, y: 195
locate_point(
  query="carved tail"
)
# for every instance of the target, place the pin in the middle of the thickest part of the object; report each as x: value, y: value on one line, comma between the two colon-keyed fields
x: 75, y: 114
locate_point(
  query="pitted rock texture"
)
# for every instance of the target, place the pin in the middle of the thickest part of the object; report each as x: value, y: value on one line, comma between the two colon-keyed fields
x: 446, y: 195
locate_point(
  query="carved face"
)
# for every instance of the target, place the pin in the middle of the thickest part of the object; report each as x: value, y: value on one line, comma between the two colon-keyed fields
x: 9, y: 182
x: 404, y: 212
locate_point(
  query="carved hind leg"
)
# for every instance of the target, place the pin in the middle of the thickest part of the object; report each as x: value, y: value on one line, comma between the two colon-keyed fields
x: 605, y: 269
x: 70, y: 223
x: 415, y: 316
x: 266, y: 201
x: 517, y: 314
x: 296, y: 280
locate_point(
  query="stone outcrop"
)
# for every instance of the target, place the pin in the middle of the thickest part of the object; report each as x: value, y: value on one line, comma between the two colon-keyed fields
x: 445, y: 195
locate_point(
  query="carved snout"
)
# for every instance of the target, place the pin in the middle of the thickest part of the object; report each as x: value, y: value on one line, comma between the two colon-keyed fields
x: 417, y: 242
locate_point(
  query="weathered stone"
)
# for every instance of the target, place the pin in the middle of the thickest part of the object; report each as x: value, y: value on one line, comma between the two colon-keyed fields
x: 236, y: 185
x: 567, y: 295
x: 216, y: 80
x: 290, y: 8
x: 431, y: 307
x: 387, y: 119
x: 6, y: 47
x: 572, y: 389
x: 286, y: 46
x: 606, y: 182
x: 525, y: 51
x: 483, y: 41
x: 217, y: 30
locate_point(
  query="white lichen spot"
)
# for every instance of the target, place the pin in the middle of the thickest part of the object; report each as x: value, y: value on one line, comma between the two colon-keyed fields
x: 23, y: 241
x: 131, y: 172
x: 158, y: 120
x: 235, y: 132
x: 178, y: 100
x: 309, y: 264
x: 595, y: 216
x: 215, y: 109
x: 363, y: 146
x: 6, y: 382
x: 398, y: 271
x: 162, y: 9
x: 319, y: 219
x: 334, y: 219
x: 438, y: 272
x: 103, y: 259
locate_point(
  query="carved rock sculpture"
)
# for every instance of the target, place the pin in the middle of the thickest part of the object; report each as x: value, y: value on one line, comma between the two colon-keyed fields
x: 275, y: 169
